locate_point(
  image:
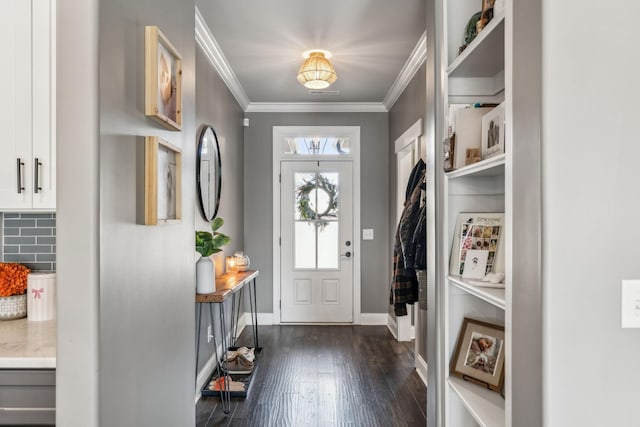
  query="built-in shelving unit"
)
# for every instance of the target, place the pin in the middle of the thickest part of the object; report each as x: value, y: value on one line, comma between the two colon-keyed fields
x: 494, y: 68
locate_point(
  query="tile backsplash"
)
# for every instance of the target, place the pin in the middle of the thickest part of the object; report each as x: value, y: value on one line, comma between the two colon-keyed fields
x: 30, y: 239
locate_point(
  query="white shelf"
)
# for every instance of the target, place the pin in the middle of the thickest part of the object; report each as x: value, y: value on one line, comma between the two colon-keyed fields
x: 486, y: 406
x: 494, y: 296
x: 484, y: 57
x: 493, y: 166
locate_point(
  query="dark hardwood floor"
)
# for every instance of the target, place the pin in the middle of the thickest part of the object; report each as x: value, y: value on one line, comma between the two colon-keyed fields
x: 325, y: 376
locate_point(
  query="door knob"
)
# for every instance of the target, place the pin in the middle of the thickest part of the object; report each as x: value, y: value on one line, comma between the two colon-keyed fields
x: 348, y: 255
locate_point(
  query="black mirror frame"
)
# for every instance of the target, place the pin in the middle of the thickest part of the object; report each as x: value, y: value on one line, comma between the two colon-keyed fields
x: 218, y: 176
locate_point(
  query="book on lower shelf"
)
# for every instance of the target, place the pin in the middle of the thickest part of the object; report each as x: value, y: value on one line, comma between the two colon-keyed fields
x: 477, y: 231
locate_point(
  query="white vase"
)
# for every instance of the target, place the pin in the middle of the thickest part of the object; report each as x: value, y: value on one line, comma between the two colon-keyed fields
x: 205, y: 276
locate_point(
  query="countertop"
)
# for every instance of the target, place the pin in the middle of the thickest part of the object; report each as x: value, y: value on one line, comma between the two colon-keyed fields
x: 25, y: 344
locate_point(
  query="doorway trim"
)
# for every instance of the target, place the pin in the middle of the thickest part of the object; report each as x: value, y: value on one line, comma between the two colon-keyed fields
x: 279, y: 133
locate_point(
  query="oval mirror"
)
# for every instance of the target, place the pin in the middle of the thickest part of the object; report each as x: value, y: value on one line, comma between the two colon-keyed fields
x: 208, y: 173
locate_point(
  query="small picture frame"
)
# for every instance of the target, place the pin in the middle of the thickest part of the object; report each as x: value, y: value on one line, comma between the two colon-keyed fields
x: 163, y: 79
x: 162, y: 182
x: 493, y: 132
x: 479, y: 354
x: 475, y: 263
x: 449, y: 153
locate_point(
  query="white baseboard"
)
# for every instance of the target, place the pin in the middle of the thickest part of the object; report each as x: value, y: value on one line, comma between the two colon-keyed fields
x: 392, y: 326
x: 421, y: 368
x: 264, y: 319
x: 374, y: 319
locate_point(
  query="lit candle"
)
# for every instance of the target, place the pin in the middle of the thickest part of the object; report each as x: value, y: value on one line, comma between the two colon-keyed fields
x: 231, y: 265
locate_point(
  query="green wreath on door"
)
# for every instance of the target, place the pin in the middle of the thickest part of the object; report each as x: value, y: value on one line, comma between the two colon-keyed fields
x: 321, y: 183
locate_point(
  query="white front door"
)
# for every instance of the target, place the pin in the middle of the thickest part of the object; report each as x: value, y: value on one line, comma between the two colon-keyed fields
x: 317, y: 241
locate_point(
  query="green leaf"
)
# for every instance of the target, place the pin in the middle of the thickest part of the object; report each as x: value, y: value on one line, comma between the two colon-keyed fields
x: 216, y: 223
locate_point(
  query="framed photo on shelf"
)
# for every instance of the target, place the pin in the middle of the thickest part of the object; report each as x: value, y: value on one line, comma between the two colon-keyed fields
x: 479, y: 354
x: 477, y: 231
x: 163, y: 79
x: 493, y: 132
x: 162, y: 182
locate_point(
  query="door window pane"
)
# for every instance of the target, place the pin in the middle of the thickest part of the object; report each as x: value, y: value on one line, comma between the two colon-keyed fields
x: 305, y: 245
x: 304, y: 183
x: 328, y: 245
x: 315, y: 146
x: 327, y: 195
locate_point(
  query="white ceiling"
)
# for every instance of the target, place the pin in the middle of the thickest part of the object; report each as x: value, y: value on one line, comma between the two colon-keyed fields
x: 263, y: 41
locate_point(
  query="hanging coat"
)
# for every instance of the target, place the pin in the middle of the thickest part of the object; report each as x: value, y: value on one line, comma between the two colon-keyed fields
x: 404, y: 289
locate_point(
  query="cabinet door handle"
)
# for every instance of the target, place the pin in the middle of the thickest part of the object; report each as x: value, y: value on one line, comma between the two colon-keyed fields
x: 36, y: 182
x: 20, y: 186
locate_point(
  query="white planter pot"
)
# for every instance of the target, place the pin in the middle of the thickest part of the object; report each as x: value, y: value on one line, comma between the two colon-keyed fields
x: 205, y: 276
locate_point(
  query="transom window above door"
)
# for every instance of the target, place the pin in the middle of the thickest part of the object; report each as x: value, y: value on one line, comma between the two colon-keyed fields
x: 317, y: 146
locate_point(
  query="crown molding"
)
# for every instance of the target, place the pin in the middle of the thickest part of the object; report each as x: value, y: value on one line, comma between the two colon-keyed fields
x: 410, y: 68
x: 316, y: 107
x: 214, y: 54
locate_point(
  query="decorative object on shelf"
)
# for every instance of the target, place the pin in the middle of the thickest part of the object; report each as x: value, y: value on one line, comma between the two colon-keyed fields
x: 208, y: 173
x: 491, y: 280
x: 479, y: 354
x: 449, y: 153
x: 466, y: 122
x: 208, y: 244
x: 487, y: 14
x: 316, y: 71
x: 242, y: 261
x: 470, y: 31
x: 231, y: 265
x: 41, y: 296
x: 13, y: 288
x: 477, y: 231
x: 493, y: 132
x: 163, y: 79
x: 317, y: 199
x: 472, y: 155
x: 162, y: 182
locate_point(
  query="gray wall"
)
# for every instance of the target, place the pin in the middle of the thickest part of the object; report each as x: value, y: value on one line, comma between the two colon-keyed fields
x: 374, y: 195
x: 78, y: 216
x: 590, y: 182
x: 216, y: 106
x: 147, y: 274
x: 409, y: 107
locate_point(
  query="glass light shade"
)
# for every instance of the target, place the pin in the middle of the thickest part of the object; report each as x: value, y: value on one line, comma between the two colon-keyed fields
x: 317, y: 72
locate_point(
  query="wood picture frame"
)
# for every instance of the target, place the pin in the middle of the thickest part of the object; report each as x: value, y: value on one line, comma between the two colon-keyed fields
x: 162, y: 182
x: 493, y: 132
x: 449, y: 153
x: 479, y: 354
x: 163, y: 79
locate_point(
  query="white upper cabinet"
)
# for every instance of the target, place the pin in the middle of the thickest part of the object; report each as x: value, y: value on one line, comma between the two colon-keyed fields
x: 27, y: 115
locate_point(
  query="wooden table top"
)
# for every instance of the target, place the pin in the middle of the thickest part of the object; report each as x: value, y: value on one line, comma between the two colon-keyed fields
x: 227, y: 285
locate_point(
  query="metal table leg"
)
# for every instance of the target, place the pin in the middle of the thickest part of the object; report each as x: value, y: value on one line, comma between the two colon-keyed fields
x: 253, y: 304
x: 199, y: 310
x: 225, y: 396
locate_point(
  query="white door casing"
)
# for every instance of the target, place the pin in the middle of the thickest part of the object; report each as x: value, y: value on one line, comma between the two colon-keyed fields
x: 279, y: 154
x: 316, y: 249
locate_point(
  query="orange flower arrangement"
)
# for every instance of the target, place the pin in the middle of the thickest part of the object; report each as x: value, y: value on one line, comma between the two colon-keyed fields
x: 13, y: 279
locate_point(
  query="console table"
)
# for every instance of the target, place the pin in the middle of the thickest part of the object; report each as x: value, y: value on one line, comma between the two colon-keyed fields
x: 228, y: 287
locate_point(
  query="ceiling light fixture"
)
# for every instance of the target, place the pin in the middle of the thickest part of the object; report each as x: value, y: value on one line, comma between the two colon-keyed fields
x: 316, y: 71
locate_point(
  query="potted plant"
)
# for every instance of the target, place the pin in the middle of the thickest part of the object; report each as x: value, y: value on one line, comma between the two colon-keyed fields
x: 207, y: 244
x: 13, y: 291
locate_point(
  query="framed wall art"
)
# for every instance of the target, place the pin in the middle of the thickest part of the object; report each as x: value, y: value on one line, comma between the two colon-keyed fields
x: 493, y: 132
x: 162, y: 182
x: 479, y: 354
x: 163, y: 79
